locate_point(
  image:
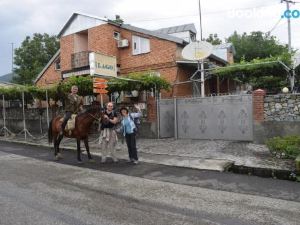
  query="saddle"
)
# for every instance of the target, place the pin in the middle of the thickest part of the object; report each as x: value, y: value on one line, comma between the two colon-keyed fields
x: 70, y: 126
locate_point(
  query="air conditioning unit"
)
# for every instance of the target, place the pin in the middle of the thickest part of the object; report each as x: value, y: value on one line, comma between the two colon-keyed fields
x: 123, y: 43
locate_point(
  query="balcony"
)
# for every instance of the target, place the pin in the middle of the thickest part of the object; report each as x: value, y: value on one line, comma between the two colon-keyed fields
x: 80, y: 59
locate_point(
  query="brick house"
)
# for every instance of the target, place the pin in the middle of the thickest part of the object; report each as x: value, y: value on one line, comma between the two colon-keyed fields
x: 135, y: 49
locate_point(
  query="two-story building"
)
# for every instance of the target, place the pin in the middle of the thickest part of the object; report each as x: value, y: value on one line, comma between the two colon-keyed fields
x: 135, y: 50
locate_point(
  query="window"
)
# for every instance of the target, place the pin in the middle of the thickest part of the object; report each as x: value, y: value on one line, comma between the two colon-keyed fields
x: 57, y: 64
x: 140, y: 45
x: 117, y: 35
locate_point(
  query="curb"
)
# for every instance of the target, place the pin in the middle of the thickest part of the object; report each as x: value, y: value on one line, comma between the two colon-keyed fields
x: 227, y: 167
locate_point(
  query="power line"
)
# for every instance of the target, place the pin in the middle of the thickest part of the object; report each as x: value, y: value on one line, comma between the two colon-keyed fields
x: 274, y: 27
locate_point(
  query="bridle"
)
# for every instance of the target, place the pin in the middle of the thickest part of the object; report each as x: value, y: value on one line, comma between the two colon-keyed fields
x: 98, y: 119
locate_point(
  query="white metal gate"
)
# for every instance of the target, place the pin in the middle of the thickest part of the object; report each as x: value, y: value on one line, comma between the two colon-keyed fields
x: 218, y: 117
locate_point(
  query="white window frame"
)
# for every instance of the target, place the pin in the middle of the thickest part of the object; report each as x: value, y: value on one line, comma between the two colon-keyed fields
x: 140, y: 45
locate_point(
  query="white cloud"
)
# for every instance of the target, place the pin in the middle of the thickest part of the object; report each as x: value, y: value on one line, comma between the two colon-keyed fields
x: 21, y: 18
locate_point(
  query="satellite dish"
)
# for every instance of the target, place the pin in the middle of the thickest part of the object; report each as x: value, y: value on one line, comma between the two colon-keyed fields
x: 296, y: 60
x: 197, y: 50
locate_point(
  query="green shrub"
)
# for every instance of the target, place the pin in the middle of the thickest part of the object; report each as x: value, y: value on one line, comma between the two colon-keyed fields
x: 284, y: 147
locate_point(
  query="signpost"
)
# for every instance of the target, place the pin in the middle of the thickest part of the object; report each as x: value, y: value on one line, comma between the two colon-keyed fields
x: 198, y: 51
x: 99, y: 87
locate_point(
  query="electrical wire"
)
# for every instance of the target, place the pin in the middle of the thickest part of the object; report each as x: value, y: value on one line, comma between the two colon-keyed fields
x: 274, y: 27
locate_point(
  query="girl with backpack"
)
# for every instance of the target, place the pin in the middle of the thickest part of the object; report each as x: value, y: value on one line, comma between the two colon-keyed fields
x: 129, y: 130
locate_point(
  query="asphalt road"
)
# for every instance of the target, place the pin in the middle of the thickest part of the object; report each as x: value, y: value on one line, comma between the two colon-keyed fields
x: 34, y: 189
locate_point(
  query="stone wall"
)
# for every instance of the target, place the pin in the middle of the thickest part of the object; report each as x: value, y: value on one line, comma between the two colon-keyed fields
x: 275, y: 115
x: 283, y: 107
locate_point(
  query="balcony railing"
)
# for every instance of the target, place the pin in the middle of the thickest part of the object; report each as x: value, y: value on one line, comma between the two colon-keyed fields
x: 80, y: 59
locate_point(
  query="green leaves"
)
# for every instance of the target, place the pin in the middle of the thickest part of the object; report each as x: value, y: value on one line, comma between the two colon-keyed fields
x: 284, y: 147
x: 214, y: 39
x: 139, y: 81
x: 144, y: 81
x: 32, y: 56
x: 255, y: 45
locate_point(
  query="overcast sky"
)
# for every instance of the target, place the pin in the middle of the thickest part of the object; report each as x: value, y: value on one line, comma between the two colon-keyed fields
x: 21, y: 18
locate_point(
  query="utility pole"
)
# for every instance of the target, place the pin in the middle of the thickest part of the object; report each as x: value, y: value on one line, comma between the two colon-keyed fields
x: 200, y: 18
x: 292, y: 72
x: 289, y: 23
x: 202, y: 61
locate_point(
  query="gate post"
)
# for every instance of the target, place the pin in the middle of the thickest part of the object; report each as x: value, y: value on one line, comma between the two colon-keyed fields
x: 258, y: 105
x: 175, y: 119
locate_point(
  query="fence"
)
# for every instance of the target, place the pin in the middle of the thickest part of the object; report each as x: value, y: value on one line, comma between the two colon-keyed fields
x: 216, y: 117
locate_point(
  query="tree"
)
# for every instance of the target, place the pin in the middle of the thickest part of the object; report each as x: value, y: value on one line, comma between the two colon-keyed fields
x: 32, y: 56
x: 214, y: 39
x: 255, y: 45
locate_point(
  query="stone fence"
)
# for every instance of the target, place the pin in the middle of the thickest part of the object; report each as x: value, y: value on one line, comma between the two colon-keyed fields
x: 282, y: 107
x: 275, y: 115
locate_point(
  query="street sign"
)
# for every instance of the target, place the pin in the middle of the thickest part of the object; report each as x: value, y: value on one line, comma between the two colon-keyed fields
x: 100, y: 85
x: 100, y: 91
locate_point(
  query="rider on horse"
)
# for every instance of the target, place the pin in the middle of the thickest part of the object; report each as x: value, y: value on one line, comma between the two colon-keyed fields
x: 73, y: 105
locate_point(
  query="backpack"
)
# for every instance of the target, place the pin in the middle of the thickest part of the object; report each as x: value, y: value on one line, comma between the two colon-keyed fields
x: 137, y: 123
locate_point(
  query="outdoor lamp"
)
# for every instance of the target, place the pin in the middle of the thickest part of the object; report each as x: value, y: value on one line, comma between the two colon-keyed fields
x: 285, y: 90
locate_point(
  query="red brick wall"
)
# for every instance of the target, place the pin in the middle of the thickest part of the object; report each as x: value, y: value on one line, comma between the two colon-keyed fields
x: 258, y: 105
x: 66, y: 49
x: 100, y: 39
x: 183, y: 74
x: 151, y: 109
x: 51, y: 76
x: 162, y: 54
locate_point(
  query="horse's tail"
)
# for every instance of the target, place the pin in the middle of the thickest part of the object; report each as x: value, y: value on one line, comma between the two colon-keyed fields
x: 50, y: 135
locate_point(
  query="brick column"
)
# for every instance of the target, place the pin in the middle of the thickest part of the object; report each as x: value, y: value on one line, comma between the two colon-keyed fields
x: 258, y: 105
x: 151, y: 109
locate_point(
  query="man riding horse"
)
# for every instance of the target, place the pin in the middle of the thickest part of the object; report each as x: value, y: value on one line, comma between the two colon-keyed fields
x: 73, y: 105
x: 84, y: 122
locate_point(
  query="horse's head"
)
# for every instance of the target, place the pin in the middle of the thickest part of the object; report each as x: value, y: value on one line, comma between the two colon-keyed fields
x: 94, y: 110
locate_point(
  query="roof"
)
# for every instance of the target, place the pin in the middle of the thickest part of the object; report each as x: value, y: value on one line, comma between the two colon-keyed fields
x: 149, y: 32
x: 177, y: 29
x: 7, y: 84
x: 225, y: 46
x: 74, y: 15
x: 124, y: 26
x: 48, y: 64
x: 212, y: 56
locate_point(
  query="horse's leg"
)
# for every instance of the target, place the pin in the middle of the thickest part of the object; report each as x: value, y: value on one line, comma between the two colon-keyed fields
x: 78, y: 151
x: 55, y: 145
x: 57, y: 142
x: 86, y: 143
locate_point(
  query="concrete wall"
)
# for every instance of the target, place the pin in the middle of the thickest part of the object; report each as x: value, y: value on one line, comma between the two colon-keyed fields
x: 268, y: 129
x: 36, y: 121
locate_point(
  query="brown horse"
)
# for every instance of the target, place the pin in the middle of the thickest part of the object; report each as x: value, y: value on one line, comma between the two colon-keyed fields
x: 83, y: 124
